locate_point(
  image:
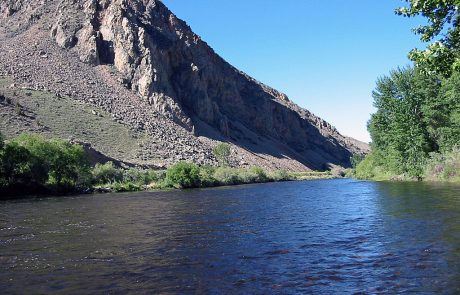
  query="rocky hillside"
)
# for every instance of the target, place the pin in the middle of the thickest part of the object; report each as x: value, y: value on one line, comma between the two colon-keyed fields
x: 136, y: 65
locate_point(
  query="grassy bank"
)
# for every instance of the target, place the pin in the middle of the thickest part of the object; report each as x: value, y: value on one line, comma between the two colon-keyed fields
x: 32, y: 164
x: 182, y: 175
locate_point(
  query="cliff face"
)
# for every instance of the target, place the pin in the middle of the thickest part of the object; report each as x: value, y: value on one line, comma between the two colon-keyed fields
x: 178, y: 77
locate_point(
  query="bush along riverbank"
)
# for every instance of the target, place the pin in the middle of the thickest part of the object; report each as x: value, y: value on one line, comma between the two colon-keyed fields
x: 31, y: 164
x: 436, y: 167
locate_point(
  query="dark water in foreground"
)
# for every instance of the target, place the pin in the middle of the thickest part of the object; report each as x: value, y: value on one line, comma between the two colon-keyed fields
x: 337, y: 236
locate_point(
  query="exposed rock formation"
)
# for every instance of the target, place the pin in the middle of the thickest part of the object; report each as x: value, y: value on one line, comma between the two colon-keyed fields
x: 164, y: 74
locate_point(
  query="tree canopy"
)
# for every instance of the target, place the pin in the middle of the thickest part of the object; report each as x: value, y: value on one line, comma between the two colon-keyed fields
x: 31, y: 161
x: 416, y: 115
x: 222, y: 153
x: 442, y: 54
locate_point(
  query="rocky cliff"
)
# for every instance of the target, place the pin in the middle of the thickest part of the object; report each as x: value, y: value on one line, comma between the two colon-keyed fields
x: 138, y: 62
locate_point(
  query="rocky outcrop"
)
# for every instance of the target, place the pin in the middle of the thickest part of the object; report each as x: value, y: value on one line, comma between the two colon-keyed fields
x: 159, y: 59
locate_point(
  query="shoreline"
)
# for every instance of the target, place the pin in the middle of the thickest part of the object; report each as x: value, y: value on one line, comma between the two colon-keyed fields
x: 100, y: 190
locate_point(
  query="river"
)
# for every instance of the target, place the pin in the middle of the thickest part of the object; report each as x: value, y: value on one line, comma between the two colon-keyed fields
x: 324, y: 237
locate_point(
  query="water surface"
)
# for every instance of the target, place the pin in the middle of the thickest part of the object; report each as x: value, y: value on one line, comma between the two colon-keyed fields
x: 333, y: 236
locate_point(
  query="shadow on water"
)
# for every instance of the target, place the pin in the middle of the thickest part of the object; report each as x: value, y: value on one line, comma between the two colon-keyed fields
x: 423, y: 221
x: 300, y: 237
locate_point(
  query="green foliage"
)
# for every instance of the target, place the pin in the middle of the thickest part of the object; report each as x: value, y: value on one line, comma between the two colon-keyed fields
x: 280, y: 175
x: 119, y: 187
x: 400, y: 127
x: 376, y: 166
x: 417, y: 123
x: 3, y: 182
x: 119, y: 179
x: 227, y: 176
x: 356, y: 159
x: 416, y: 115
x: 183, y: 175
x: 259, y: 173
x: 19, y: 167
x: 233, y: 176
x: 442, y: 55
x: 444, y: 166
x: 222, y: 153
x: 140, y: 177
x: 31, y: 162
x: 106, y: 174
x: 444, y: 114
x: 207, y: 178
x: 18, y: 108
x: 62, y: 162
x: 2, y: 142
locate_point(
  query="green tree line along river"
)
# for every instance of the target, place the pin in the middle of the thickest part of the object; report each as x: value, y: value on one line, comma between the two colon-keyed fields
x: 416, y: 129
x: 33, y: 164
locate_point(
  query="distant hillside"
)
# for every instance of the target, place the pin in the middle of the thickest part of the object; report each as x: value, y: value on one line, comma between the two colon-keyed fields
x: 134, y: 81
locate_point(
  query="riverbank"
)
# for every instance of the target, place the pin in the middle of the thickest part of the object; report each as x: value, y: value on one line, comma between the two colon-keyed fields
x: 33, y: 165
x: 181, y: 176
x: 438, y: 167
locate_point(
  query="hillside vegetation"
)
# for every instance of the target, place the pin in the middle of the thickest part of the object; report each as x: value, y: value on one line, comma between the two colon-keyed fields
x: 31, y: 164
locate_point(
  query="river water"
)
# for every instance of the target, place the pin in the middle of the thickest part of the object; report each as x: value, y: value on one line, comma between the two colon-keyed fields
x: 323, y: 237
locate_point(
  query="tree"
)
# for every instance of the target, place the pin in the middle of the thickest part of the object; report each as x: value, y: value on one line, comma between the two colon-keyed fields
x: 442, y: 55
x: 222, y: 153
x: 19, y: 167
x: 183, y: 175
x: 59, y: 161
x: 399, y: 128
x: 444, y: 113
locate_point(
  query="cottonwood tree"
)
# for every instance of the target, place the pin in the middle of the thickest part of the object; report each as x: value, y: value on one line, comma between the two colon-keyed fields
x: 442, y: 55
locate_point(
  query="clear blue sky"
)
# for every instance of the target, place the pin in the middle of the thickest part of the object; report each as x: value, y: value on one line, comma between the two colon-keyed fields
x: 325, y: 55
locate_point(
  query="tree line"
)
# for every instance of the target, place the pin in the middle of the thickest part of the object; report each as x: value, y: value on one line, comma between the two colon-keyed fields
x: 416, y: 129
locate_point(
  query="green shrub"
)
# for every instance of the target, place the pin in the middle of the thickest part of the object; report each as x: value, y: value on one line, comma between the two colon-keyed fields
x: 207, y: 176
x: 337, y: 171
x: 444, y: 166
x: 106, y: 173
x: 125, y: 187
x: 260, y: 175
x: 246, y: 176
x: 183, y: 175
x: 379, y: 166
x: 356, y: 159
x: 31, y: 163
x: 280, y: 175
x: 20, y: 167
x: 222, y: 153
x: 227, y: 176
x: 2, y: 142
x: 140, y: 176
x: 60, y: 162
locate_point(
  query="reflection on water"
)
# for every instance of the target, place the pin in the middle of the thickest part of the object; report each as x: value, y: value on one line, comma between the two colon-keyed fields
x: 317, y: 236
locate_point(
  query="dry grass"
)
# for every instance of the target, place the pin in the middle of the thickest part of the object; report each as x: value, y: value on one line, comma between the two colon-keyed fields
x: 66, y: 118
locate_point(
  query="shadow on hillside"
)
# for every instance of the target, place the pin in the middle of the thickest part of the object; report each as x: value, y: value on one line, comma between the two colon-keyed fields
x: 259, y: 145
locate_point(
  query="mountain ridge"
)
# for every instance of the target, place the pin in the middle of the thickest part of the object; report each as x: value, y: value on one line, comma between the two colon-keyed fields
x: 140, y: 50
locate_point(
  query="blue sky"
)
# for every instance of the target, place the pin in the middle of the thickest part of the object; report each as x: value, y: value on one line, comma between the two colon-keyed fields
x: 325, y: 55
